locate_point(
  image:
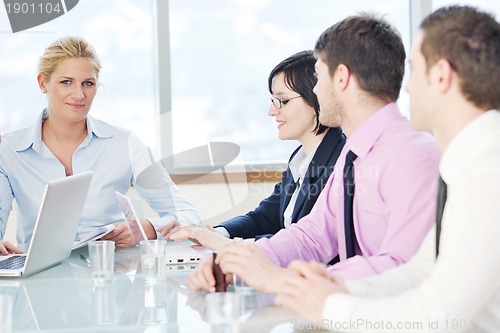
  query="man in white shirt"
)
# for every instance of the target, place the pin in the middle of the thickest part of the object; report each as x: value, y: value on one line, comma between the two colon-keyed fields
x: 454, y: 93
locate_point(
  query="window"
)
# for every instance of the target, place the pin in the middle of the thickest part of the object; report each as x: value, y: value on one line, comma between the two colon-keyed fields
x: 219, y: 55
x: 222, y: 53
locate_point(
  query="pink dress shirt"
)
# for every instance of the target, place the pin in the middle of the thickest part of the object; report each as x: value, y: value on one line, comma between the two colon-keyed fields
x: 396, y: 177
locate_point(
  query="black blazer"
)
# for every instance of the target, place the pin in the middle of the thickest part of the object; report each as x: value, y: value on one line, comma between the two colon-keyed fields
x: 267, y: 218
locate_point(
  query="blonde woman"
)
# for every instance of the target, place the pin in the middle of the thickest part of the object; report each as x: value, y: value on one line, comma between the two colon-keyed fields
x: 66, y: 140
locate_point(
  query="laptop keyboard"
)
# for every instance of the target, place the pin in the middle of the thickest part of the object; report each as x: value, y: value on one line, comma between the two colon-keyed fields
x: 13, y: 262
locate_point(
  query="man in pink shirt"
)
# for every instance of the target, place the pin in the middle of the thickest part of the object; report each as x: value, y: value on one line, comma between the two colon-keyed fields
x: 360, y: 68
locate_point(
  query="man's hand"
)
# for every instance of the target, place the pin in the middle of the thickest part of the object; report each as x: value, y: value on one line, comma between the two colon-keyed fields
x: 248, y: 262
x: 7, y: 247
x: 306, y: 288
x: 203, y: 277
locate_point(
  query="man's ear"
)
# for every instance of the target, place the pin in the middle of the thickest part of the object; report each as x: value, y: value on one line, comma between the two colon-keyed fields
x: 342, y: 76
x: 443, y: 74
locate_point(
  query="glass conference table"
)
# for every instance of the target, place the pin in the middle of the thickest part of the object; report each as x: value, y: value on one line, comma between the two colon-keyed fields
x: 64, y: 299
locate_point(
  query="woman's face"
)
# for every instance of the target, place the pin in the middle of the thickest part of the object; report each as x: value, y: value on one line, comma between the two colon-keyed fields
x: 296, y: 119
x: 71, y: 89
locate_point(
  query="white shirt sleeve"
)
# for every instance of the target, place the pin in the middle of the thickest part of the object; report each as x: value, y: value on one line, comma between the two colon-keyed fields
x: 458, y: 292
x: 223, y: 231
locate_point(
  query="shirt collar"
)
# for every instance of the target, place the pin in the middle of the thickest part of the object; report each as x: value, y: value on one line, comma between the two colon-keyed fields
x: 33, y: 136
x: 98, y: 128
x: 364, y: 137
x: 300, y: 162
x: 468, y: 144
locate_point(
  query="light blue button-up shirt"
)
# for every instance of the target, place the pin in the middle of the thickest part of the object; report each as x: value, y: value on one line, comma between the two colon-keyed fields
x: 117, y: 157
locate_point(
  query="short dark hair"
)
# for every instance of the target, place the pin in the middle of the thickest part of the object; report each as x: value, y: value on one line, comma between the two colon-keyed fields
x: 300, y: 77
x: 372, y: 50
x: 470, y: 41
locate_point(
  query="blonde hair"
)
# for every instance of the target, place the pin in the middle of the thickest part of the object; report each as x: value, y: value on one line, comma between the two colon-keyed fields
x: 66, y: 48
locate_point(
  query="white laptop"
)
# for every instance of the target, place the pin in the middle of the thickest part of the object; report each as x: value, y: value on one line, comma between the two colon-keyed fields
x: 55, y: 227
x: 176, y: 254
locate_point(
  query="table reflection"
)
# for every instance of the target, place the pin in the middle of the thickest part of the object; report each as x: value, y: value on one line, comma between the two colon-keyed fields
x: 64, y: 298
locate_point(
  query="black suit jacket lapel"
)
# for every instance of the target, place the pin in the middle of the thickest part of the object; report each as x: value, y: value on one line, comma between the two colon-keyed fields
x: 316, y: 171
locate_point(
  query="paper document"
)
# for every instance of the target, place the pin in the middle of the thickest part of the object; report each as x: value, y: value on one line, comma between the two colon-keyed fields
x: 93, y: 235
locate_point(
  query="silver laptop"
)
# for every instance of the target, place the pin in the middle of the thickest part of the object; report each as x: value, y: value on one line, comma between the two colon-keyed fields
x: 176, y: 254
x: 55, y: 227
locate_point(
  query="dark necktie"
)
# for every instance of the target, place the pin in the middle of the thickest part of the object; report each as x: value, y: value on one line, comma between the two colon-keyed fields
x: 442, y: 193
x: 350, y: 237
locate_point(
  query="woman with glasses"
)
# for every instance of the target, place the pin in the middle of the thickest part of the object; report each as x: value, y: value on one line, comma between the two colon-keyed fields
x: 295, y: 108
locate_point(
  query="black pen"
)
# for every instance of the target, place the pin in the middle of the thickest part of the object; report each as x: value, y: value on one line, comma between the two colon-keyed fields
x: 85, y: 259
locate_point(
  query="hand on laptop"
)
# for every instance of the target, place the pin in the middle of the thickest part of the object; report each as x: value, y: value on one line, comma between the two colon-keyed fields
x: 169, y: 229
x: 7, y: 247
x: 207, y: 237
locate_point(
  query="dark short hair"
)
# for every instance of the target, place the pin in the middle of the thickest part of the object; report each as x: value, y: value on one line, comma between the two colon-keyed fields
x: 300, y: 77
x: 372, y: 50
x: 470, y: 40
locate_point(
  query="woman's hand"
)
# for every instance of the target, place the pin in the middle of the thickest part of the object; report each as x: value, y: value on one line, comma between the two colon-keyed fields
x: 207, y: 237
x: 7, y: 247
x: 122, y: 235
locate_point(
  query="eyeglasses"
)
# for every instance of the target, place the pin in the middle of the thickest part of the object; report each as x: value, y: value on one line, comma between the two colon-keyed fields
x: 278, y: 103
